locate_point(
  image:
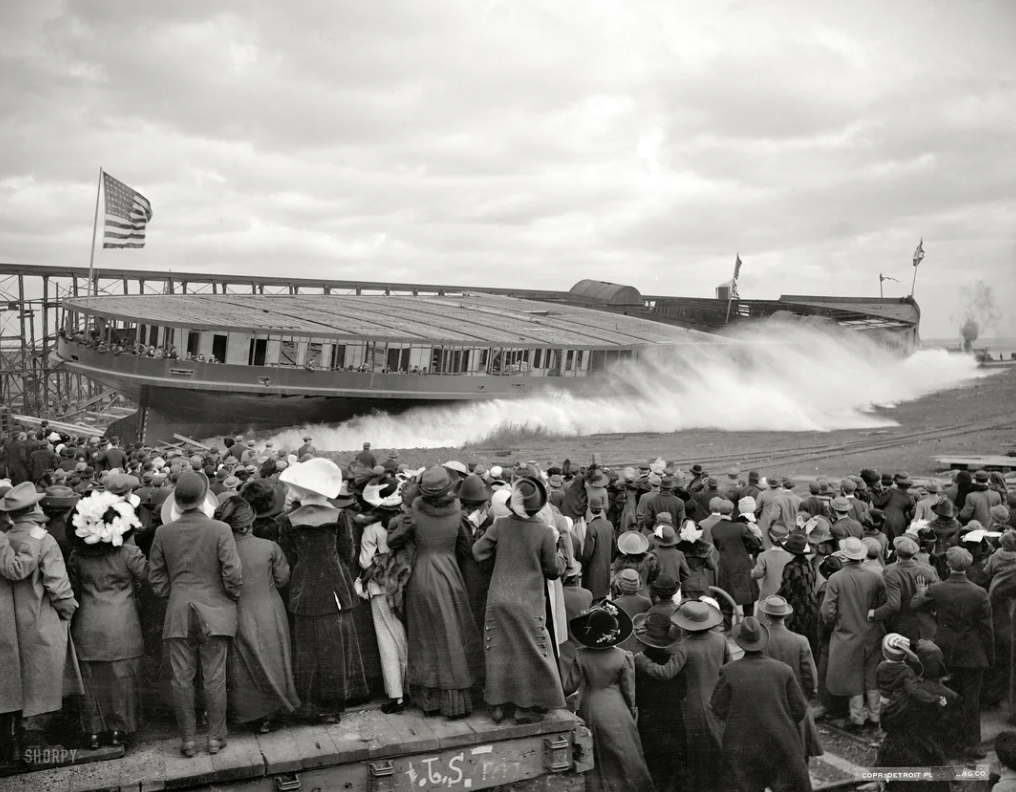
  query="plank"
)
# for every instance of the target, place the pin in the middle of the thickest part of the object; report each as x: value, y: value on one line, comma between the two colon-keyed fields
x: 316, y: 747
x: 189, y: 441
x: 240, y: 760
x: 453, y: 733
x: 413, y: 731
x: 183, y: 772
x: 349, y: 743
x: 374, y: 730
x: 281, y: 752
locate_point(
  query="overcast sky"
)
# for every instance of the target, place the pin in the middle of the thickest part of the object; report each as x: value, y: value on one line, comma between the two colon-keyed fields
x: 529, y: 142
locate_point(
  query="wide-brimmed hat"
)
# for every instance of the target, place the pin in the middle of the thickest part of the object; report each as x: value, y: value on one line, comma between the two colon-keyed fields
x: 598, y: 479
x: 656, y: 630
x: 944, y: 508
x: 751, y: 635
x: 776, y: 606
x: 457, y: 468
x: 695, y: 616
x: 266, y: 500
x: 632, y: 543
x: 853, y: 548
x: 59, y: 497
x: 821, y: 533
x: 532, y: 491
x: 318, y: 475
x: 171, y: 511
x: 602, y: 627
x: 472, y: 488
x: 20, y: 497
x: 435, y: 482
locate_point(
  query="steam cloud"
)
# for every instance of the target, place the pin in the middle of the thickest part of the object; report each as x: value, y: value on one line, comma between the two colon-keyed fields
x: 978, y: 312
x: 782, y: 377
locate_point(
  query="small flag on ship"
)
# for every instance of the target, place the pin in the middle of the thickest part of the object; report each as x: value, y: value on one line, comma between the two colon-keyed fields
x: 127, y: 215
x: 919, y: 253
x: 733, y: 283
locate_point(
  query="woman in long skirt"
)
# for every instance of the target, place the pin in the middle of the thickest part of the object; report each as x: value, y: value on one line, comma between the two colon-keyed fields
x: 259, y: 671
x: 604, y: 675
x: 444, y: 645
x: 328, y: 668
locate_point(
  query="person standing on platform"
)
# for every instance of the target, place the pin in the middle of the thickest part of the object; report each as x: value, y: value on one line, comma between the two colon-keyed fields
x: 966, y: 637
x: 328, y: 666
x: 521, y: 668
x: 195, y: 565
x: 604, y: 675
x: 259, y: 671
x: 444, y: 645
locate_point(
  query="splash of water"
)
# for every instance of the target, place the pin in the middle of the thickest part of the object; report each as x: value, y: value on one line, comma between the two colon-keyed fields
x: 781, y: 377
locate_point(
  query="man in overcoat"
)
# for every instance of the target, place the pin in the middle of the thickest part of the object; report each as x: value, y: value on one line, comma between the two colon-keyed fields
x: 597, y: 551
x: 854, y: 648
x: 664, y: 502
x: 844, y: 525
x: 980, y: 500
x: 966, y: 637
x: 762, y: 704
x: 900, y: 586
x: 194, y: 563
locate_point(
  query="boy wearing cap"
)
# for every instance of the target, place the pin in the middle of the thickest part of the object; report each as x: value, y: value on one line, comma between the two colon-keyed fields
x: 966, y: 637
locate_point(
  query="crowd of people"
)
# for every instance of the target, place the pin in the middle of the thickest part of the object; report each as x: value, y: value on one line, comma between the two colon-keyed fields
x: 269, y: 586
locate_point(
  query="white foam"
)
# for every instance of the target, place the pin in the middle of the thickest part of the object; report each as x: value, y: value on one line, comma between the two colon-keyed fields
x: 781, y: 378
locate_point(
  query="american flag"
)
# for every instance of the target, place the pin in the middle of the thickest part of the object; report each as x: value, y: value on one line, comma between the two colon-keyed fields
x: 733, y: 283
x: 127, y: 214
x: 919, y: 253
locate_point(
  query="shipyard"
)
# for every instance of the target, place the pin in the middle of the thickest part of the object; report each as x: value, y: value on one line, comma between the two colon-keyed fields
x: 528, y: 397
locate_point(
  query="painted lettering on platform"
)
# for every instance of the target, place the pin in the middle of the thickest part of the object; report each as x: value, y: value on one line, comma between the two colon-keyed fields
x: 458, y: 771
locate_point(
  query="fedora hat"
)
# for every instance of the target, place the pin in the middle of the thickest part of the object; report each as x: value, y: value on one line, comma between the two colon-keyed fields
x: 944, y: 508
x: 751, y: 635
x: 20, y: 497
x: 853, y: 548
x: 602, y: 627
x: 171, y: 511
x: 797, y: 543
x: 472, y: 488
x: 632, y: 543
x: 840, y: 504
x: 59, y: 497
x: 776, y: 606
x: 695, y: 616
x: 656, y: 630
x: 457, y: 468
x: 318, y: 475
x: 667, y: 483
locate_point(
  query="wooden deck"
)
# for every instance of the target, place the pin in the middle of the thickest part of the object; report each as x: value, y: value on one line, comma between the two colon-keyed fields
x: 368, y: 750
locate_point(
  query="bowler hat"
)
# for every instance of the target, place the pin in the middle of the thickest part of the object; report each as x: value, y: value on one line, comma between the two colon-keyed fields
x: 171, y: 510
x: 696, y: 469
x: 751, y: 635
x: 190, y: 489
x: 776, y: 606
x: 595, y: 503
x: 601, y: 627
x: 656, y: 630
x: 472, y: 488
x: 695, y: 616
x: 944, y: 508
x: 632, y: 543
x: 753, y: 476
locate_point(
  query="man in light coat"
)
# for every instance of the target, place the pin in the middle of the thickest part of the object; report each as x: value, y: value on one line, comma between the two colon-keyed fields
x: 769, y: 565
x: 854, y: 648
x: 194, y: 563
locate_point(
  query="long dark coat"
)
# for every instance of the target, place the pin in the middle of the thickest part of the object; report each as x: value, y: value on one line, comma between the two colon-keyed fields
x: 106, y: 626
x: 965, y: 632
x: 735, y: 542
x: 762, y: 704
x: 900, y: 586
x: 521, y: 668
x: 795, y: 650
x: 597, y: 552
x: 899, y: 511
x: 855, y: 646
x: 697, y: 659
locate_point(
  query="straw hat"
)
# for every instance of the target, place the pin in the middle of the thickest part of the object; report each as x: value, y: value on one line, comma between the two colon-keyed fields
x: 775, y: 606
x: 695, y: 616
x: 632, y: 543
x: 318, y: 475
x: 853, y: 548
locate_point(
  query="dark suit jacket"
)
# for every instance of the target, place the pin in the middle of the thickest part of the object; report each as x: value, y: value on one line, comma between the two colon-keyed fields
x: 965, y: 633
x: 597, y: 553
x: 194, y: 562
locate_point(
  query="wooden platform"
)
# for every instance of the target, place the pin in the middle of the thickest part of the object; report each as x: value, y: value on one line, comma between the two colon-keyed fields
x: 977, y: 463
x: 366, y: 751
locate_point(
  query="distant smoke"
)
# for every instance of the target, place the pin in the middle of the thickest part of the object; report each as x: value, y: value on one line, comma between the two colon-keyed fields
x: 791, y: 377
x: 978, y: 312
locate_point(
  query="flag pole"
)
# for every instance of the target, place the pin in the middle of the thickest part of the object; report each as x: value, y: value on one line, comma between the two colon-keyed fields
x: 914, y: 284
x: 880, y: 292
x: 730, y: 291
x: 91, y: 258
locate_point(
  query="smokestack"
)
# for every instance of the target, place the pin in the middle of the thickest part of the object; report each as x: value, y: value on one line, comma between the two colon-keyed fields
x: 969, y: 331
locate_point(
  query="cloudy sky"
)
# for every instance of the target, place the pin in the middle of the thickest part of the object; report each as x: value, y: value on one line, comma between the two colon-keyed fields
x: 530, y: 142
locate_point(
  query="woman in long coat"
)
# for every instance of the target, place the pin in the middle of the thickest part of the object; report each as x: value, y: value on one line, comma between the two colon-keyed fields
x: 697, y: 659
x: 799, y: 588
x: 660, y: 721
x: 259, y: 672
x: 444, y: 645
x: 107, y: 637
x: 328, y: 668
x: 604, y: 675
x: 735, y: 542
x: 521, y: 668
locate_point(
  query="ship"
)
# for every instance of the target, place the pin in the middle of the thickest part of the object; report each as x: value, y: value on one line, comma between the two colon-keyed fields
x: 206, y: 365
